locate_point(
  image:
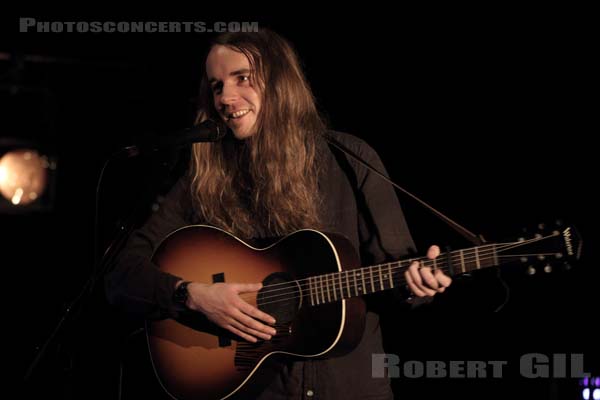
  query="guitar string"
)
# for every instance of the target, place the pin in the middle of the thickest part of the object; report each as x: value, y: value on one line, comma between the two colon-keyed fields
x: 455, y: 259
x: 359, y: 281
x: 359, y: 284
x: 344, y: 277
x: 321, y: 292
x: 322, y: 283
x: 384, y: 268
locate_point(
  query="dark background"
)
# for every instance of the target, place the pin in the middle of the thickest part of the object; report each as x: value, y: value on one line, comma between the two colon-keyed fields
x: 485, y: 114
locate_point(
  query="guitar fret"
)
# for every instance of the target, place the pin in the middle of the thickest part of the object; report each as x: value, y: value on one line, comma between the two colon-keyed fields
x: 316, y: 289
x: 321, y: 290
x: 341, y: 274
x: 462, y: 261
x: 364, y: 286
x: 380, y: 278
x: 348, y: 282
x: 390, y: 272
x: 495, y: 254
x: 372, y: 283
x: 310, y: 291
x: 323, y: 279
x: 435, y: 264
x: 477, y: 262
x: 333, y: 289
x: 327, y: 288
x: 355, y: 282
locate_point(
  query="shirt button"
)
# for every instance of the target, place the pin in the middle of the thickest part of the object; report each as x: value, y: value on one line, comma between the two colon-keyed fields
x: 310, y: 393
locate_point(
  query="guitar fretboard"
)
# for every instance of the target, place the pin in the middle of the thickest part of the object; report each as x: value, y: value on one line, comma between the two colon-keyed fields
x: 357, y: 282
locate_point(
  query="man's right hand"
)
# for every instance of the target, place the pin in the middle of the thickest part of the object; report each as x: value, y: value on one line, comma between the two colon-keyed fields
x: 221, y: 304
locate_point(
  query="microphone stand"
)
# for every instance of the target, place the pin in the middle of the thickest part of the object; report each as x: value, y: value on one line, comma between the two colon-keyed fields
x: 206, y: 131
x: 102, y: 265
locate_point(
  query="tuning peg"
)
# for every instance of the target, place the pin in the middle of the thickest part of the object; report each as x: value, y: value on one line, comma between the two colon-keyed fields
x: 531, y: 270
x: 548, y: 268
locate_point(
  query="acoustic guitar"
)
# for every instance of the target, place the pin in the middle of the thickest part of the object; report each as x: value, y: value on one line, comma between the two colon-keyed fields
x: 313, y: 287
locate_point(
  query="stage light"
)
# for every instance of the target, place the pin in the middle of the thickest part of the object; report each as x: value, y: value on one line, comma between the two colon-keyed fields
x: 23, y: 176
x: 27, y: 137
x: 26, y: 177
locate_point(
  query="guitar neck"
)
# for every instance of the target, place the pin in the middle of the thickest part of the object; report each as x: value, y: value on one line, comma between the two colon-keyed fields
x: 357, y: 282
x: 564, y: 246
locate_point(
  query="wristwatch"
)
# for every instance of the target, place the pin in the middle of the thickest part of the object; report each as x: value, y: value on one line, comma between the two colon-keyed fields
x: 180, y: 295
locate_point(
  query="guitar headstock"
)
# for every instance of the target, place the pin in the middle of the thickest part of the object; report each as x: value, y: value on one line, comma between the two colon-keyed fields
x: 549, y: 247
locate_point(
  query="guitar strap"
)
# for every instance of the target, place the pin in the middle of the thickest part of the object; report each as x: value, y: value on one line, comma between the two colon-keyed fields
x: 402, y: 293
x: 361, y: 202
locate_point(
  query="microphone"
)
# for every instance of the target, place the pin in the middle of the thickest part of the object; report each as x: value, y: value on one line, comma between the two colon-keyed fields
x: 207, y: 131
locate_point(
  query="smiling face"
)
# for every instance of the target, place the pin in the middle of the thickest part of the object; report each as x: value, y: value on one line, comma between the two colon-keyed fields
x: 236, y: 98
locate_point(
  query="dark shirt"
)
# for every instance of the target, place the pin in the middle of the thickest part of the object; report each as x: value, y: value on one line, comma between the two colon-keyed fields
x: 357, y: 204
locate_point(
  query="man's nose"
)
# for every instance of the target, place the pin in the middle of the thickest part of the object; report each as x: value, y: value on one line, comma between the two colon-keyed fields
x: 228, y: 95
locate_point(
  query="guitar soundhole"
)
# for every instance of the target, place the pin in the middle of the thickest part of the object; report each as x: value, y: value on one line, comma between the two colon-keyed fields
x: 280, y: 297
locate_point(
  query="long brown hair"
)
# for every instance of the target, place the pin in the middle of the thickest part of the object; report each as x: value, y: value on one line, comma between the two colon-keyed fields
x: 268, y: 183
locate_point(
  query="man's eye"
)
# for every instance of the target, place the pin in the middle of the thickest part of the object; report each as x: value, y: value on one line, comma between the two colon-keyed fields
x: 244, y: 78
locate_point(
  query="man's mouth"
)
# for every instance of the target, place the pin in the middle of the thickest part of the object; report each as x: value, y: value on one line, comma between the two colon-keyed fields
x: 237, y: 114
